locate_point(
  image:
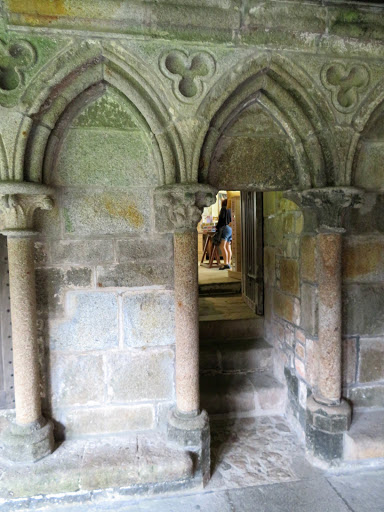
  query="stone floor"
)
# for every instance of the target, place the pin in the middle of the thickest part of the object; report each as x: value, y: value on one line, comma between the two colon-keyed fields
x: 257, y: 465
x: 224, y: 308
x: 214, y: 275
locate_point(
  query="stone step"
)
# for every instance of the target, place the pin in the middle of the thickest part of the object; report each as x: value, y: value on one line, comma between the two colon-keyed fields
x: 219, y: 289
x: 365, y: 438
x: 243, y: 328
x: 226, y: 356
x: 84, y: 465
x: 242, y: 395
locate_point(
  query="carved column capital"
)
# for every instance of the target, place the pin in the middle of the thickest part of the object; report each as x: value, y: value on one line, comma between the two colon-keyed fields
x: 18, y: 203
x: 324, y: 208
x: 179, y: 207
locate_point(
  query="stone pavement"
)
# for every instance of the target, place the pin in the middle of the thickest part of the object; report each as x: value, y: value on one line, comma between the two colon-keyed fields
x: 257, y: 465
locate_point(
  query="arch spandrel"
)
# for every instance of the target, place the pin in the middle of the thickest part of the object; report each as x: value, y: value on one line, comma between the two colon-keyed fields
x: 87, y: 65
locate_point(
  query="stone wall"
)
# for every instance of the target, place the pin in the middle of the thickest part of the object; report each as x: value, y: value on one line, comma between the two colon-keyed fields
x: 363, y: 304
x: 105, y: 279
x: 291, y: 304
x: 290, y: 309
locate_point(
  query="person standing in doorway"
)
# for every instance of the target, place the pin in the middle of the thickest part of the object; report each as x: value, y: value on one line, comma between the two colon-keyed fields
x: 225, y: 218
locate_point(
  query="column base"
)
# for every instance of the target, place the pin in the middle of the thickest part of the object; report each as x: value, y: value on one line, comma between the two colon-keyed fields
x: 325, y: 427
x: 193, y: 433
x: 28, y: 443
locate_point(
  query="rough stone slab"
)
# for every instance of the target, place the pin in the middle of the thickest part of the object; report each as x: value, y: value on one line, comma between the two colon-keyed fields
x: 105, y: 420
x: 140, y: 375
x: 90, y: 323
x: 154, y: 248
x: 82, y: 252
x: 365, y: 438
x: 106, y: 212
x: 366, y: 396
x: 286, y: 307
x: 50, y: 282
x: 227, y: 394
x: 314, y: 495
x: 371, y: 359
x: 363, y: 307
x: 236, y: 355
x: 362, y: 492
x: 87, y: 153
x: 82, y: 465
x: 235, y: 329
x: 363, y: 260
x: 76, y: 379
x: 270, y: 393
x: 137, y: 274
x: 148, y: 319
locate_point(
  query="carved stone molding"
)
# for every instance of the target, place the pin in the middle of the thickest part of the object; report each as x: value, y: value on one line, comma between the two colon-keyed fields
x: 18, y: 203
x: 345, y: 82
x: 179, y: 207
x: 324, y: 208
x: 189, y: 72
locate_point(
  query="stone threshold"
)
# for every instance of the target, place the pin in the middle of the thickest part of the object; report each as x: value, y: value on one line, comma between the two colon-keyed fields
x: 83, y: 470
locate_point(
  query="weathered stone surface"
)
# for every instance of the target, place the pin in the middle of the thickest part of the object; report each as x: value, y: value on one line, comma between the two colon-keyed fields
x: 286, y: 307
x: 155, y: 249
x: 137, y: 274
x: 366, y: 396
x: 148, y: 319
x: 289, y: 276
x: 363, y: 307
x: 349, y: 359
x: 87, y: 153
x: 308, y: 258
x: 90, y: 323
x: 82, y: 252
x: 363, y: 260
x: 263, y: 161
x: 140, y: 375
x: 371, y: 359
x: 105, y: 212
x: 309, y: 309
x: 105, y: 420
x: 76, y: 379
x: 365, y: 439
x: 51, y: 281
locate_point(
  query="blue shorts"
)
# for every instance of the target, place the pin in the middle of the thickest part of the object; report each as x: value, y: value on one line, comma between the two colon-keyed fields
x: 226, y: 234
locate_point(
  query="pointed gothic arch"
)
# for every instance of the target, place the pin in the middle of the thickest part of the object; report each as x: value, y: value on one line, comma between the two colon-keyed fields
x: 291, y: 98
x: 78, y: 75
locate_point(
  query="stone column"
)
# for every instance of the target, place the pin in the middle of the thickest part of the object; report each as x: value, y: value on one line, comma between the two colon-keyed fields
x: 179, y: 210
x: 30, y: 436
x: 328, y: 415
x: 186, y: 322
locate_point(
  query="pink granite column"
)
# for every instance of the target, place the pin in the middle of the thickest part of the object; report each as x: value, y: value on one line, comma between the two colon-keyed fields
x: 24, y: 336
x: 329, y: 246
x: 187, y: 322
x: 30, y: 437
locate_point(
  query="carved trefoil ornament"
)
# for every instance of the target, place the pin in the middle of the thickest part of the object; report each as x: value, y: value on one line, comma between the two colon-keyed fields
x: 345, y: 82
x: 189, y: 72
x: 15, y: 59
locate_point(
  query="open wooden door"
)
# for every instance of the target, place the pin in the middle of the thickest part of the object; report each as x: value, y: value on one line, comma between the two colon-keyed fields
x: 252, y: 250
x: 7, y: 400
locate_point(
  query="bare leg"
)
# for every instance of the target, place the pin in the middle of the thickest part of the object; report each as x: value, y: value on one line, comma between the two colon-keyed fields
x: 224, y: 251
x: 229, y: 250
